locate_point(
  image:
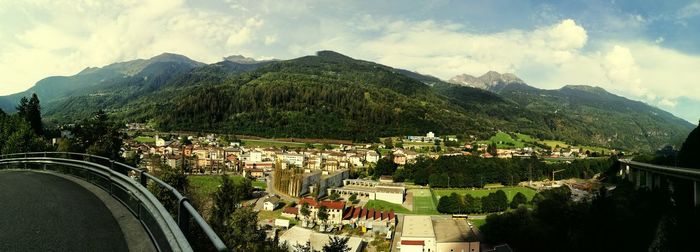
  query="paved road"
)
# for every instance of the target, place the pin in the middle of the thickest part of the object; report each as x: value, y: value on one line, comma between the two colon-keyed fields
x: 44, y: 212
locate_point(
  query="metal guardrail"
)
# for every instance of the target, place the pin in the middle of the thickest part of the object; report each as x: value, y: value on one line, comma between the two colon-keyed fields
x: 679, y: 172
x: 111, y: 176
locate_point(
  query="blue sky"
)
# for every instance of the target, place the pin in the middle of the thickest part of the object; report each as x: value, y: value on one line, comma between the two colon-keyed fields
x: 645, y: 50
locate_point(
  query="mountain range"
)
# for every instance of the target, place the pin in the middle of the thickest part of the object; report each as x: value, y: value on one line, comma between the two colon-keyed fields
x: 330, y: 95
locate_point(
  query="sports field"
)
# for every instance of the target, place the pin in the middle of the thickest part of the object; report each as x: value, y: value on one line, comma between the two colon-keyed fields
x: 423, y: 202
x: 510, y: 192
x: 383, y: 205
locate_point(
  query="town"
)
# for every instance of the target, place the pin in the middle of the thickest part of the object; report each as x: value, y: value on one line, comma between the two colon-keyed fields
x: 313, y: 191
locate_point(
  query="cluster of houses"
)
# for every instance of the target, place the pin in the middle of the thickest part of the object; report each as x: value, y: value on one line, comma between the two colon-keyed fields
x: 341, y: 214
x: 207, y: 155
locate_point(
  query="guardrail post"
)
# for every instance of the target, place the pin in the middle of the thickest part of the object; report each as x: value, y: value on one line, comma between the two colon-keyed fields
x: 143, y: 179
x: 183, y: 217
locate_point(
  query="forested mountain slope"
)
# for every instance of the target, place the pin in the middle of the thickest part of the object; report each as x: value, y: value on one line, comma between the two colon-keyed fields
x: 330, y: 95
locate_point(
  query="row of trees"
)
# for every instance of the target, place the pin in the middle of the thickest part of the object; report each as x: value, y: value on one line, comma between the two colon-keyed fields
x: 467, y: 204
x: 470, y: 171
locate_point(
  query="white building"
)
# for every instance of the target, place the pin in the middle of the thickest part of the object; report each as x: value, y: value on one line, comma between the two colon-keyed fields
x: 294, y: 159
x: 254, y: 157
x: 418, y: 234
x: 371, y: 190
x: 300, y: 236
x: 437, y: 234
x: 372, y: 157
x: 271, y: 203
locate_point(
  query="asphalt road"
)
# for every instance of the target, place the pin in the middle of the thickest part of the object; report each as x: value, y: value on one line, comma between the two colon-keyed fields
x: 43, y: 212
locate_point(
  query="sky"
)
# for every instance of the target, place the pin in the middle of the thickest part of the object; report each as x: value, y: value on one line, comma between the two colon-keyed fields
x: 645, y: 50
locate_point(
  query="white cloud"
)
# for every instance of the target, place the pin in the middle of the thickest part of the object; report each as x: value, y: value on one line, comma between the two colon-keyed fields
x: 63, y: 37
x: 668, y: 103
x: 690, y: 10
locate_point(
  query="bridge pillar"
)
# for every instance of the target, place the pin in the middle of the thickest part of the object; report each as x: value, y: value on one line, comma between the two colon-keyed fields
x: 649, y: 180
x: 630, y: 174
x: 657, y: 181
x: 637, y: 179
x: 696, y: 194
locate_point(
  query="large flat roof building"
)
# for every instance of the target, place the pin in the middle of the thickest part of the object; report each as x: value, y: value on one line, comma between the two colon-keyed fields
x: 371, y: 190
x: 437, y: 234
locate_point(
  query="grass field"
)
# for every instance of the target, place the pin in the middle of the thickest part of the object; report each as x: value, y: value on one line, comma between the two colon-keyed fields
x: 383, y: 205
x: 504, y: 140
x: 423, y: 202
x: 145, y: 139
x: 478, y: 222
x: 510, y: 192
x: 278, y: 144
x: 208, y: 184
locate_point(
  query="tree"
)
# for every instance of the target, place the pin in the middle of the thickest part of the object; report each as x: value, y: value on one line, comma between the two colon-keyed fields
x: 34, y: 115
x: 23, y: 107
x: 500, y: 200
x: 492, y: 149
x: 99, y: 136
x: 518, y: 199
x: 65, y: 145
x: 334, y: 196
x: 688, y: 155
x: 30, y: 110
x: 242, y: 232
x: 385, y: 166
x: 472, y: 204
x: 171, y: 176
x: 304, y: 248
x: 23, y: 139
x: 388, y: 143
x: 305, y: 211
x: 353, y: 197
x: 322, y: 214
x: 337, y: 244
x: 225, y: 202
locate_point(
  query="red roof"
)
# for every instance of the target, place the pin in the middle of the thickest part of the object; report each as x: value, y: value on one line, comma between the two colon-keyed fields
x: 356, y: 212
x: 391, y: 215
x: 405, y: 242
x: 370, y: 214
x: 377, y: 215
x: 364, y: 213
x: 291, y: 210
x: 333, y: 204
x: 327, y: 203
x: 348, y: 213
x: 310, y: 201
